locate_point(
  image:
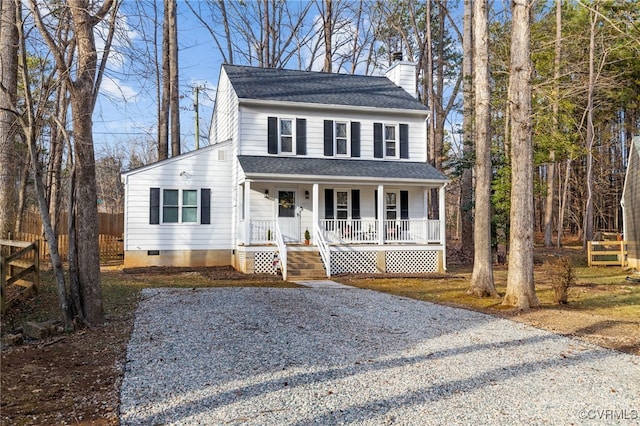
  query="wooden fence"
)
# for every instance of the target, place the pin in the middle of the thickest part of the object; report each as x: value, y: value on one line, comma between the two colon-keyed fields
x: 606, y: 253
x: 18, y: 260
x: 110, y: 239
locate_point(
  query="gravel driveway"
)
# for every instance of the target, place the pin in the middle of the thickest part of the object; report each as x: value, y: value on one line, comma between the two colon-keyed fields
x: 301, y: 356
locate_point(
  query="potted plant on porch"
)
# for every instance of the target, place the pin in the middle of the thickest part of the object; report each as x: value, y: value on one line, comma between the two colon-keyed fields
x: 307, y: 237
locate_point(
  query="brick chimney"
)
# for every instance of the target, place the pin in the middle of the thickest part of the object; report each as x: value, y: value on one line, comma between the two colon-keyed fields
x: 403, y: 74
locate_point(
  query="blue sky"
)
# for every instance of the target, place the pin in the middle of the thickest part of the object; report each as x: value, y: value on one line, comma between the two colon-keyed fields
x: 126, y: 108
x: 125, y: 113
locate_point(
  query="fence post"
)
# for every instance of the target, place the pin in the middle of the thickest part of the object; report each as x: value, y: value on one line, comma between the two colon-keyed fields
x: 589, y: 254
x: 3, y: 283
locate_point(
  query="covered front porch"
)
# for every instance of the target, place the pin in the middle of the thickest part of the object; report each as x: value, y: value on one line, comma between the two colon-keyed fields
x: 277, y: 216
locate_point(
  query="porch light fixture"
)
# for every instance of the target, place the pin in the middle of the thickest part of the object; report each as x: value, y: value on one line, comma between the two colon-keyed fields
x: 306, y: 195
x: 266, y: 193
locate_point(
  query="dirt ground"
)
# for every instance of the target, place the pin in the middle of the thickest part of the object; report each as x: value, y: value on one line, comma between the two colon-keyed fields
x: 75, y: 378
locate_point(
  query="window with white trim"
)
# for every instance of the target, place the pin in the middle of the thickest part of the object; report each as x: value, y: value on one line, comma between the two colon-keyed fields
x: 390, y: 141
x: 286, y: 136
x: 341, y: 138
x: 179, y: 206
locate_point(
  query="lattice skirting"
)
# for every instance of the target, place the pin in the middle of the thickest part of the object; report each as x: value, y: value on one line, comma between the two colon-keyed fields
x: 416, y: 261
x: 353, y: 262
x: 266, y: 262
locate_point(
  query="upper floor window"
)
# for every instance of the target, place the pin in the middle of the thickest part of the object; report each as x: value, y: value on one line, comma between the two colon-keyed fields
x: 341, y: 138
x: 390, y: 141
x: 342, y: 147
x: 287, y: 136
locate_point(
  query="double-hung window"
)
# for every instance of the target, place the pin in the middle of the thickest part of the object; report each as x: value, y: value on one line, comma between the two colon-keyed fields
x: 341, y: 138
x: 390, y: 141
x: 286, y: 135
x: 179, y: 206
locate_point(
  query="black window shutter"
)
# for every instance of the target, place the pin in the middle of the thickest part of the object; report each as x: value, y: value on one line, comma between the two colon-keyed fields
x: 355, y: 204
x: 355, y: 139
x: 301, y: 136
x: 375, y: 202
x: 205, y: 206
x: 404, y: 141
x: 272, y: 134
x: 154, y: 206
x: 328, y: 138
x: 404, y: 205
x: 377, y: 140
x: 328, y: 203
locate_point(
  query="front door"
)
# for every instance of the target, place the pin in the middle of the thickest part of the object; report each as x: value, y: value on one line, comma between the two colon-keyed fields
x: 288, y: 217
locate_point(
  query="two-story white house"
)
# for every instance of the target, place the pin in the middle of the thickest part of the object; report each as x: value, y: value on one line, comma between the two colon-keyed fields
x: 340, y: 159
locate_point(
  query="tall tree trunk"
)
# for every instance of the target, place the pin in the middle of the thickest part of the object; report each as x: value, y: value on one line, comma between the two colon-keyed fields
x: 82, y: 95
x: 163, y: 118
x: 588, y: 208
x: 8, y: 115
x: 551, y: 165
x: 562, y: 202
x: 327, y: 21
x: 174, y: 81
x: 482, y: 277
x: 29, y: 127
x: 466, y: 180
x: 520, y: 284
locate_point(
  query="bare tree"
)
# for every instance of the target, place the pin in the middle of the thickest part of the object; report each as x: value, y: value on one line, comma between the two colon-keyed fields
x: 83, y: 82
x: 327, y: 33
x: 174, y: 97
x: 482, y: 277
x: 551, y: 165
x: 466, y: 179
x: 8, y: 115
x: 520, y: 285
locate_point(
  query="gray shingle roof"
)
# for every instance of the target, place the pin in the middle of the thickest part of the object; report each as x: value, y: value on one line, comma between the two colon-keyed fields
x: 339, y: 168
x: 319, y: 88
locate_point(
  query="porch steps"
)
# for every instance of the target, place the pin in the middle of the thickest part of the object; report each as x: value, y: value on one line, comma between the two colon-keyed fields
x: 304, y: 264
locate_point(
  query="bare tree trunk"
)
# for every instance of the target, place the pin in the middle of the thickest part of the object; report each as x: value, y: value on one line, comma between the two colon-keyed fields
x: 173, y: 76
x: 327, y: 21
x: 520, y: 283
x: 588, y: 209
x: 551, y: 165
x: 482, y: 277
x: 82, y: 96
x: 8, y: 115
x: 466, y: 180
x: 29, y: 126
x: 163, y: 118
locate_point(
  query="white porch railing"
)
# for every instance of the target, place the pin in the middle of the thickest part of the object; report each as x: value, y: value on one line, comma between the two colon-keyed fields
x: 361, y: 231
x: 282, y: 251
x: 262, y: 231
x: 323, y: 248
x: 365, y: 231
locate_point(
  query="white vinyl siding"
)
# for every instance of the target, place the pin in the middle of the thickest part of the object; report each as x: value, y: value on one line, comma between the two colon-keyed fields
x: 194, y: 170
x: 253, y: 122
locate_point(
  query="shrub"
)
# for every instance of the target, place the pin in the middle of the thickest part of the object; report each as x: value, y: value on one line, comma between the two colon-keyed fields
x: 563, y: 276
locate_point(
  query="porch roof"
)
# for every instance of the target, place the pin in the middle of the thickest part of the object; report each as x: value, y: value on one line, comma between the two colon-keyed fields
x: 335, y: 168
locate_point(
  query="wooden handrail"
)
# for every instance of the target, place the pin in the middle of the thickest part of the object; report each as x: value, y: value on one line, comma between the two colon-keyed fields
x: 7, y: 276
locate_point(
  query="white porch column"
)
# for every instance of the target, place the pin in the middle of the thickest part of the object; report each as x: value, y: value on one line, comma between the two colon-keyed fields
x: 381, y: 212
x: 247, y: 212
x: 443, y: 229
x: 315, y: 203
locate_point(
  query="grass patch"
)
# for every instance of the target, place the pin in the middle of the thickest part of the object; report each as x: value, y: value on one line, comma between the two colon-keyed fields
x: 600, y: 291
